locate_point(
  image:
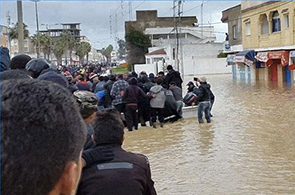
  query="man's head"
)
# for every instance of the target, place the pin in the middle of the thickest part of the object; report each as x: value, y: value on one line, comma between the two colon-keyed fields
x: 19, y: 61
x: 190, y: 85
x: 87, y: 102
x: 203, y: 80
x: 42, y: 138
x: 160, y: 74
x: 14, y: 74
x: 108, y: 127
x: 159, y: 81
x: 172, y: 83
x: 36, y: 66
x: 169, y: 67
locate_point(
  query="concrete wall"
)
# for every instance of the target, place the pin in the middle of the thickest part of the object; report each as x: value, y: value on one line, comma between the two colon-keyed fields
x: 285, y: 37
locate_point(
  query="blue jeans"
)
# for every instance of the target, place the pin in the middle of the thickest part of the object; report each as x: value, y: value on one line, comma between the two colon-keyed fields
x: 204, y: 107
x: 179, y: 105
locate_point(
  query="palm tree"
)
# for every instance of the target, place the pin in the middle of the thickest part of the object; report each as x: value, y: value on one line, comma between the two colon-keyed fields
x: 45, y: 41
x: 69, y: 41
x: 34, y: 40
x: 59, y: 49
x: 13, y: 34
x: 82, y: 49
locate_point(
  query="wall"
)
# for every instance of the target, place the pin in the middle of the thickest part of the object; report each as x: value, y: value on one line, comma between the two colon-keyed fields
x: 233, y: 16
x: 256, y: 40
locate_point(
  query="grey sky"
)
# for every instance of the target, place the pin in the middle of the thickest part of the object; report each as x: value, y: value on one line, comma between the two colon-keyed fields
x: 94, y: 16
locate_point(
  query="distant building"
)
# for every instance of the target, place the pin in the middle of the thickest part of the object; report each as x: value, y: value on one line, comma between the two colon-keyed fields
x: 73, y: 28
x: 149, y: 19
x: 4, y: 36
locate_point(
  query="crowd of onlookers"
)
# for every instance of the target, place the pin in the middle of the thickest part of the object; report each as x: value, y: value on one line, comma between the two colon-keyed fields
x: 50, y: 114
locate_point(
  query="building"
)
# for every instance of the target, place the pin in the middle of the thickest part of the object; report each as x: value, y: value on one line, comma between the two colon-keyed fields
x: 4, y: 36
x: 73, y: 28
x: 268, y: 41
x: 149, y: 19
x: 232, y: 17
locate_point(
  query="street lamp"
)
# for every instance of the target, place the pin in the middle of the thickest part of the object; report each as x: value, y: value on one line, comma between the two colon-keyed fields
x: 38, y: 33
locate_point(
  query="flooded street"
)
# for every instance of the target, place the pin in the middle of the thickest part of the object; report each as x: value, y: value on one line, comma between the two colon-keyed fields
x: 247, y: 149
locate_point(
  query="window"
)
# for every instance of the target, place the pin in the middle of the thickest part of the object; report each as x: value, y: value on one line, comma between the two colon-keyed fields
x: 235, y: 33
x: 286, y: 21
x: 148, y: 60
x: 264, y: 25
x: 248, y: 29
x: 276, y: 22
x: 174, y: 53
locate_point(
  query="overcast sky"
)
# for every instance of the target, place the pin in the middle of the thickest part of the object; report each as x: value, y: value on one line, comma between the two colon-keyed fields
x: 94, y: 16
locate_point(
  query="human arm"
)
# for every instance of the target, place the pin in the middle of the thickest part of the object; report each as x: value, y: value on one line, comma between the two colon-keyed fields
x: 96, y: 155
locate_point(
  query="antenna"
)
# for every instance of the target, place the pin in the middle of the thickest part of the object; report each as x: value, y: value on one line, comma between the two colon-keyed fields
x: 111, y: 28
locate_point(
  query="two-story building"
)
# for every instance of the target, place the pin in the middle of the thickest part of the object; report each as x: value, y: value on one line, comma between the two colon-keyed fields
x: 268, y: 40
x: 269, y: 30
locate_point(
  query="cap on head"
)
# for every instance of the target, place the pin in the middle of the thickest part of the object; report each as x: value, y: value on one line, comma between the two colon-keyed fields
x: 86, y: 100
x: 190, y: 83
x: 19, y: 61
x: 56, y: 78
x: 203, y: 79
x: 36, y: 66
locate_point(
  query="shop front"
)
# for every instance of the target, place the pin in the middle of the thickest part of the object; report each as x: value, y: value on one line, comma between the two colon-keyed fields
x: 277, y: 66
x: 245, y: 61
x: 292, y: 65
x: 230, y: 60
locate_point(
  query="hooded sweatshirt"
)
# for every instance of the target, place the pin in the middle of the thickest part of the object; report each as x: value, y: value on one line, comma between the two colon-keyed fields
x: 159, y: 100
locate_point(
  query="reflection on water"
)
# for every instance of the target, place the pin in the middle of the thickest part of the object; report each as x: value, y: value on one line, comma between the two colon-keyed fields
x: 247, y: 149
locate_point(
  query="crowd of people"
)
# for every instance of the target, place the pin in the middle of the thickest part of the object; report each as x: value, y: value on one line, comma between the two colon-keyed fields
x: 63, y: 111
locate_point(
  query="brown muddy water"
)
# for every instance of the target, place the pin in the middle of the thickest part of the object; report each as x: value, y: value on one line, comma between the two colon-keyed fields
x: 247, y: 149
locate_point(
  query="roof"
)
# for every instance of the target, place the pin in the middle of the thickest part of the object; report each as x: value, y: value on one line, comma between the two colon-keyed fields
x: 157, y: 52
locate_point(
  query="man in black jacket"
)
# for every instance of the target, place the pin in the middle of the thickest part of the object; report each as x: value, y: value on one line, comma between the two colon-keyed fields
x: 132, y: 95
x: 173, y: 76
x: 126, y: 174
x: 203, y: 98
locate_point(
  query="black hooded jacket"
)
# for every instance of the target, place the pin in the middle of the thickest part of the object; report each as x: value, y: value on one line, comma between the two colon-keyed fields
x: 173, y: 76
x: 205, y: 93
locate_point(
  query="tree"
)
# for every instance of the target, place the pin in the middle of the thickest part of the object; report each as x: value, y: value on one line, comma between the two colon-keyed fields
x: 137, y: 44
x: 82, y: 50
x: 58, y: 50
x: 122, y: 48
x: 45, y: 44
x: 107, y: 52
x: 70, y: 42
x: 13, y: 33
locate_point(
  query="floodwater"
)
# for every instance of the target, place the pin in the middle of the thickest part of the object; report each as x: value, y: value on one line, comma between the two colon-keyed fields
x: 247, y: 149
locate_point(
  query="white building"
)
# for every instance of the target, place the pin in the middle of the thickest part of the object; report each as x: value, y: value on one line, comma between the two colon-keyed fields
x: 197, y: 52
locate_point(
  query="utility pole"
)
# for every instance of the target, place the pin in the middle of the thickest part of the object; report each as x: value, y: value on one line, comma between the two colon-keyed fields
x: 176, y: 34
x: 111, y: 28
x: 38, y: 33
x: 116, y: 26
x: 8, y: 28
x: 20, y: 27
x: 180, y: 12
x: 202, y: 23
x: 130, y: 10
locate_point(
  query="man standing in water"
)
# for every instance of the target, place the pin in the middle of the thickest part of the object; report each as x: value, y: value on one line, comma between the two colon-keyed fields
x: 203, y: 100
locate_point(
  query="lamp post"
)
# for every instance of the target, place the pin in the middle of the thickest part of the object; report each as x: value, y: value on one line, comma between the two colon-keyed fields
x: 38, y: 33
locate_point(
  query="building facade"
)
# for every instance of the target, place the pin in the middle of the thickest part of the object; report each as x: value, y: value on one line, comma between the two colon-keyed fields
x: 149, y: 19
x: 268, y: 40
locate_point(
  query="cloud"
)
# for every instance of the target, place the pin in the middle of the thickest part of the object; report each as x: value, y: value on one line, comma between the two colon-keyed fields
x: 94, y: 16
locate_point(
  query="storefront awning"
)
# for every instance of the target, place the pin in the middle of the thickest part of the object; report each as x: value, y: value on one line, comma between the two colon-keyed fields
x: 279, y: 55
x: 230, y: 59
x: 247, y: 57
x: 262, y: 56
